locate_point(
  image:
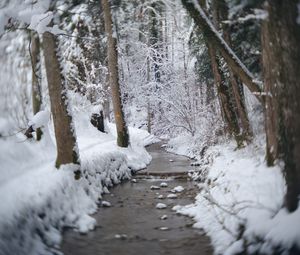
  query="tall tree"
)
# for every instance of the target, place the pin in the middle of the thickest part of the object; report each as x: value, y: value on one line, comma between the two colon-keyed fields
x: 281, y: 61
x: 64, y: 130
x: 227, y: 103
x: 215, y: 39
x: 36, y: 76
x: 112, y: 52
x: 155, y: 38
x: 220, y: 14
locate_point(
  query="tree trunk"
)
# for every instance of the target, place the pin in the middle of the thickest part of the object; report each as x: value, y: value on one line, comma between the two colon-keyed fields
x: 112, y: 52
x: 225, y: 99
x: 281, y: 61
x: 106, y: 101
x: 63, y: 126
x: 220, y: 13
x: 149, y: 117
x: 154, y: 41
x: 227, y: 110
x: 217, y: 41
x: 36, y: 76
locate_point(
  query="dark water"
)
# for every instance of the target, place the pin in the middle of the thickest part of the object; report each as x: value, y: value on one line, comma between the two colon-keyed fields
x: 133, y: 225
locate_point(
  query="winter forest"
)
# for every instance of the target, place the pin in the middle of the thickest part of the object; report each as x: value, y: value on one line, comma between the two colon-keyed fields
x: 149, y: 127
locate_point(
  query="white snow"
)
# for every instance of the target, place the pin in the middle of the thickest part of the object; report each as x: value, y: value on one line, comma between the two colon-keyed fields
x: 43, y: 199
x: 163, y: 185
x: 164, y: 217
x: 33, y: 13
x: 39, y: 22
x: 27, y: 12
x: 160, y: 206
x: 121, y: 236
x: 178, y: 189
x: 257, y: 15
x: 176, y: 207
x: 154, y: 187
x: 163, y: 228
x: 241, y: 191
x: 172, y: 196
x: 40, y: 119
x: 106, y: 204
x: 86, y: 223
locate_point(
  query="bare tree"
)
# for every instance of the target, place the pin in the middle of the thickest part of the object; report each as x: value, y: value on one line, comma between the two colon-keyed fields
x: 112, y: 52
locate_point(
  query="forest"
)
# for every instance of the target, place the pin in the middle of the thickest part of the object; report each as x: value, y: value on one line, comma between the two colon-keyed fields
x: 149, y: 126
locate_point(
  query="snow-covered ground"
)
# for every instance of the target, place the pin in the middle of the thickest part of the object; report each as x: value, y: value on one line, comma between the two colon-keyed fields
x: 240, y: 202
x: 37, y: 200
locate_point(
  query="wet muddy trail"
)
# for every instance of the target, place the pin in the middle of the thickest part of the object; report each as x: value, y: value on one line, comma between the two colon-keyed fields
x: 133, y: 224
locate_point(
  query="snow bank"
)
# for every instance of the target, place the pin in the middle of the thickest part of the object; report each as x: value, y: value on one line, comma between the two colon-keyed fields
x: 240, y: 204
x: 38, y: 201
x: 195, y: 146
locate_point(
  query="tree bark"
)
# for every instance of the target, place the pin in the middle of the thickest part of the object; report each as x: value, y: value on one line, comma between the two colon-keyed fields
x: 112, y: 51
x: 36, y: 75
x: 149, y: 117
x: 154, y: 41
x: 220, y: 13
x: 224, y: 96
x: 281, y: 61
x: 64, y: 131
x: 106, y: 101
x: 215, y: 39
x: 226, y: 103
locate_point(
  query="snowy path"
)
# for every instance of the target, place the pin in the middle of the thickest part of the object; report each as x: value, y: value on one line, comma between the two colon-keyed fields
x: 133, y: 225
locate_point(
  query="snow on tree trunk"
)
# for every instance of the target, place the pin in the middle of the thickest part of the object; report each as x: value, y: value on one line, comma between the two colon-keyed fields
x: 112, y: 52
x: 220, y: 14
x: 224, y: 95
x: 36, y: 76
x: 281, y: 61
x: 64, y: 130
x: 215, y: 39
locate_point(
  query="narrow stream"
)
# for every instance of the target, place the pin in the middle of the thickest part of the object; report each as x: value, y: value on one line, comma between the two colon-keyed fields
x: 133, y: 225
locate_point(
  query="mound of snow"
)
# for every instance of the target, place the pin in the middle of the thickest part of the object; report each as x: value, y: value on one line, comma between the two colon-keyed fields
x: 154, y: 187
x: 172, y: 196
x: 164, y: 217
x: 106, y: 204
x: 85, y: 224
x: 38, y: 198
x: 40, y: 119
x: 161, y: 206
x: 241, y: 191
x: 163, y: 185
x: 178, y: 189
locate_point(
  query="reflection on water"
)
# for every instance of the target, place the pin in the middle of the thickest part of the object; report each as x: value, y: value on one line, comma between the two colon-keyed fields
x: 134, y: 226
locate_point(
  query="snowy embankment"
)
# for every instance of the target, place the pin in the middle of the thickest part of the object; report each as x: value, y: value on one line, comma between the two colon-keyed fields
x: 37, y: 200
x: 240, y: 203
